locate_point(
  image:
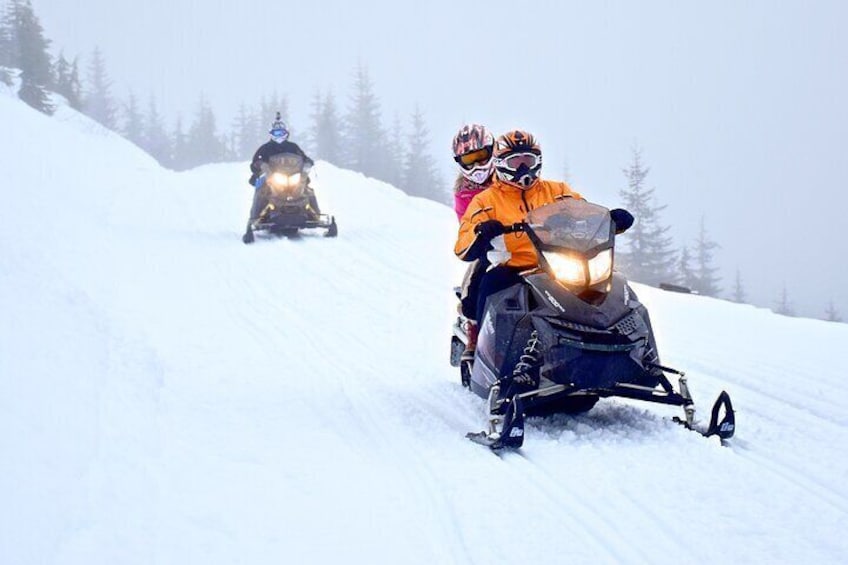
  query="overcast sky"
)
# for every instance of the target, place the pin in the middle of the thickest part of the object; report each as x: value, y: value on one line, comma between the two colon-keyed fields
x: 739, y: 107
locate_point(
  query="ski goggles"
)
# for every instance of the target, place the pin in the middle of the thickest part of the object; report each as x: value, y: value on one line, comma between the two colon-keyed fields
x: 279, y: 133
x: 472, y: 158
x: 515, y: 161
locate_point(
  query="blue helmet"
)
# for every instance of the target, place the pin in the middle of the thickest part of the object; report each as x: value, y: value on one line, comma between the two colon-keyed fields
x: 279, y: 132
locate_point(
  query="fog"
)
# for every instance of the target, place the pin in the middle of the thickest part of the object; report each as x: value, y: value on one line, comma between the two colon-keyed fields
x: 739, y: 108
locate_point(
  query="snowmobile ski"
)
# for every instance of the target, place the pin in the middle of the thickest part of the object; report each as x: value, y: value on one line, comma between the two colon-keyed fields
x: 505, y: 431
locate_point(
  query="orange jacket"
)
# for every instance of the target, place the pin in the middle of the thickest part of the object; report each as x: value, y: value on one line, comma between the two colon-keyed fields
x: 509, y: 205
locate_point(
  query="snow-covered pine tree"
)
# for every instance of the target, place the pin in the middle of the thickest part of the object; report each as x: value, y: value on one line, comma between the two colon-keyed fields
x: 364, y: 139
x: 98, y: 102
x: 419, y: 172
x: 648, y: 256
x: 706, y: 279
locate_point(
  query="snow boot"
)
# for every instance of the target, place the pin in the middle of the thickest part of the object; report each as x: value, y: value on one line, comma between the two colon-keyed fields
x: 471, y: 331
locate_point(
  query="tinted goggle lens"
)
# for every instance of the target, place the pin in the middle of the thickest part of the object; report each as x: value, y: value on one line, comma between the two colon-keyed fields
x: 474, y: 157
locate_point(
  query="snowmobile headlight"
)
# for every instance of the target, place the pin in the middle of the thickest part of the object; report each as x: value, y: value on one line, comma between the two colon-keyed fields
x: 294, y: 180
x: 569, y: 269
x: 572, y: 269
x: 278, y: 180
x: 600, y: 267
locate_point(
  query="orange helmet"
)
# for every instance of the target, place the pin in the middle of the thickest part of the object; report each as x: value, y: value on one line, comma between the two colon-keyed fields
x: 518, y: 159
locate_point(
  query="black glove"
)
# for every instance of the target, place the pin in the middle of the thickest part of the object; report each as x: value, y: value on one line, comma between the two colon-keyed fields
x: 488, y: 230
x: 622, y: 220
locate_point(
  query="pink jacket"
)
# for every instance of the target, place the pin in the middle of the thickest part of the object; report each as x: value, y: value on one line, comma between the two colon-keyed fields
x: 463, y: 192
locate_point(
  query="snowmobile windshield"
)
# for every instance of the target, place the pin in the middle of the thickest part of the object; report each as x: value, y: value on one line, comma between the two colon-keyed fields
x: 286, y: 163
x: 572, y: 224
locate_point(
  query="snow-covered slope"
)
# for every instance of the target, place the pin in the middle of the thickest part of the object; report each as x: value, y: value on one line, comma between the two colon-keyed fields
x: 169, y: 395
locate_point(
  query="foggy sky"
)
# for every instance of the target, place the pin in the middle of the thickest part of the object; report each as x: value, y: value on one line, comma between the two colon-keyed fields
x: 739, y: 107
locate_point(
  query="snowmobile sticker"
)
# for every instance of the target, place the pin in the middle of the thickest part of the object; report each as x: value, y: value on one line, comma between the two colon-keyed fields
x: 554, y: 301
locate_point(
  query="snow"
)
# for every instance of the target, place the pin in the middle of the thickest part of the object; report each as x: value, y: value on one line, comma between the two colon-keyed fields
x: 169, y: 395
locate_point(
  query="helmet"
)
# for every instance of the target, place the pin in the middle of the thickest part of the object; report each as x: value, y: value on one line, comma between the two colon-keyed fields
x: 472, y: 151
x: 279, y: 132
x: 518, y: 159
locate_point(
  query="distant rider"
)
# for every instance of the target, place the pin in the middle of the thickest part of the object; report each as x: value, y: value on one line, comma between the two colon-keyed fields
x: 473, y: 147
x: 278, y: 145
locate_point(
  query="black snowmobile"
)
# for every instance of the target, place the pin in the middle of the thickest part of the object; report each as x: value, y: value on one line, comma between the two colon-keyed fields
x: 571, y: 333
x: 291, y: 204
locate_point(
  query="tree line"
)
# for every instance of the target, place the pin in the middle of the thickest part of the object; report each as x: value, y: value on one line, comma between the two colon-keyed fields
x: 648, y: 254
x: 354, y: 139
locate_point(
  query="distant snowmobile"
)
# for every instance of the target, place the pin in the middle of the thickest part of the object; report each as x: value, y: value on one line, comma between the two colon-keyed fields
x: 291, y: 205
x: 571, y: 333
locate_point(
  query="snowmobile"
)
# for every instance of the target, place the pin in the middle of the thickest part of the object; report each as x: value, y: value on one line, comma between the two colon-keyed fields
x: 291, y: 203
x: 571, y: 333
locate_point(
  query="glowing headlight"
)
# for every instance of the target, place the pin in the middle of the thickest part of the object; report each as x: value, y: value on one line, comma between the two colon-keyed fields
x: 278, y: 180
x: 294, y: 179
x: 566, y: 268
x: 571, y: 269
x: 600, y: 267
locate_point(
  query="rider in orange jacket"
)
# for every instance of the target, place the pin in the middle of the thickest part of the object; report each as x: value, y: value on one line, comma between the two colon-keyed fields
x: 516, y: 190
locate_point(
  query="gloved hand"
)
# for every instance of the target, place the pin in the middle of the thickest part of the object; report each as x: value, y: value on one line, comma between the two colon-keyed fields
x: 622, y: 220
x: 488, y: 230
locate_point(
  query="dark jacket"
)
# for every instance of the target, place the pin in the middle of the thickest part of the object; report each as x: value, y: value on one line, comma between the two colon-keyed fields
x: 272, y: 148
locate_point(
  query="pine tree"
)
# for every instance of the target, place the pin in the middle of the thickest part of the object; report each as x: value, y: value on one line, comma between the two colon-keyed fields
x: 8, y: 45
x: 133, y: 126
x: 179, y: 147
x: 831, y: 314
x: 784, y: 306
x: 204, y: 145
x: 246, y: 130
x: 155, y: 139
x: 98, y: 102
x: 364, y: 136
x: 68, y: 82
x: 649, y: 257
x: 739, y: 294
x: 705, y: 273
x: 686, y: 276
x: 419, y: 172
x: 395, y: 154
x: 326, y: 130
x: 31, y: 56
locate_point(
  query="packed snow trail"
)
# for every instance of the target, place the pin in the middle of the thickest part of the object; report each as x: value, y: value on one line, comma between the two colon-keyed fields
x: 171, y: 395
